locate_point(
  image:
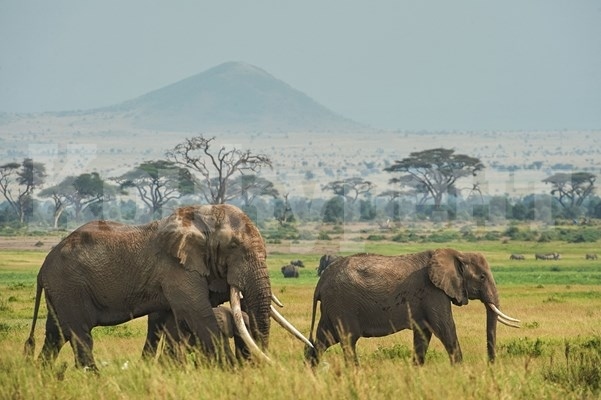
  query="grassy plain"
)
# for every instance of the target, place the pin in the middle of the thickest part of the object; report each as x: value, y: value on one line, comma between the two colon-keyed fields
x: 555, y: 355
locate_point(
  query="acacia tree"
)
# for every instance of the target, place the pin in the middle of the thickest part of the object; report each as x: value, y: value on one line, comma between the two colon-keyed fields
x: 350, y: 188
x: 157, y: 182
x: 216, y: 167
x: 79, y: 192
x: 61, y: 195
x: 434, y: 172
x: 571, y: 190
x: 249, y: 187
x: 17, y: 184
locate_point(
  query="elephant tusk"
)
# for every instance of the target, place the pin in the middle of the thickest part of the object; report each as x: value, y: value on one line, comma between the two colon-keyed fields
x: 279, y: 318
x: 276, y: 300
x: 500, y: 314
x: 508, y: 323
x: 239, y: 321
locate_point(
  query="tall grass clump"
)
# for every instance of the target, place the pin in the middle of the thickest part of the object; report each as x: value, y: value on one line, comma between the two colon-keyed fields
x: 580, y: 370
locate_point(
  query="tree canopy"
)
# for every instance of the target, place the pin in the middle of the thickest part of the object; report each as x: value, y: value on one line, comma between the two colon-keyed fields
x: 350, y: 188
x: 18, y: 182
x: 434, y: 172
x: 571, y: 190
x: 158, y: 182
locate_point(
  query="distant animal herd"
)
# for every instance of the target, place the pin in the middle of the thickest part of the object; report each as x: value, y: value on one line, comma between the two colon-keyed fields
x: 548, y: 256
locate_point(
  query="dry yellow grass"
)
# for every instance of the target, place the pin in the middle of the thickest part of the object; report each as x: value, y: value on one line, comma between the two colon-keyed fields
x: 550, y: 314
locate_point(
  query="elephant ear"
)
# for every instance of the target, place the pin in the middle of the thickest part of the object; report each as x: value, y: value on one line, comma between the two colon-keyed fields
x: 446, y: 273
x: 184, y: 235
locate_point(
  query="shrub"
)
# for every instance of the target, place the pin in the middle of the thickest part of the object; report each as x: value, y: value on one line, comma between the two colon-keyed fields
x: 376, y: 237
x: 524, y: 347
x: 442, y: 237
x: 398, y: 351
x: 323, y: 235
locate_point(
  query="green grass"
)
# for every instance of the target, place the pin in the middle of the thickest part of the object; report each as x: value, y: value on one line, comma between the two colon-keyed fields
x: 556, y: 354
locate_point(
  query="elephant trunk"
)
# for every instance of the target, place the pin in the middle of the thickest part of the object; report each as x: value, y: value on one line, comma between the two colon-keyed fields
x: 491, y: 333
x: 257, y: 304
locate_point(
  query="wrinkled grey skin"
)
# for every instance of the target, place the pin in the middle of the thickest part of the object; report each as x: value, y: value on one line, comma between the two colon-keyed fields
x: 369, y: 295
x: 106, y: 273
x: 290, y: 271
x: 178, y: 339
x: 325, y: 261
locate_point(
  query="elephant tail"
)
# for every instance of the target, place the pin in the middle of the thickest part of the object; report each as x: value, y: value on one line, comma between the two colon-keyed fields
x: 29, y: 349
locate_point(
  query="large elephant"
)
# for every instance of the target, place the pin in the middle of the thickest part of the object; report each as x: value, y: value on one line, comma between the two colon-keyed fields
x: 106, y: 273
x: 370, y: 295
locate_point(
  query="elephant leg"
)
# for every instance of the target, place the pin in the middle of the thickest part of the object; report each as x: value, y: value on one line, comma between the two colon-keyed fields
x: 188, y: 297
x: 53, y: 341
x: 325, y: 337
x: 349, y: 349
x: 163, y: 324
x: 421, y: 340
x: 447, y: 333
x: 83, y: 345
x: 156, y: 326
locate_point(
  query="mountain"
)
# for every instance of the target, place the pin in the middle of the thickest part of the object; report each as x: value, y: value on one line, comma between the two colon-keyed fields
x: 232, y: 97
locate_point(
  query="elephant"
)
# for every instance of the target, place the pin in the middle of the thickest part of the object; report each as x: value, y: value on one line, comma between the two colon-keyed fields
x: 178, y: 336
x: 324, y: 262
x: 290, y: 271
x: 591, y: 256
x: 547, y: 256
x: 370, y: 295
x: 517, y: 257
x: 298, y: 263
x: 106, y: 273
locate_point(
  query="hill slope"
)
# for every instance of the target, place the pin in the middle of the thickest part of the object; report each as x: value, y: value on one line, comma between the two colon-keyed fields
x: 232, y: 97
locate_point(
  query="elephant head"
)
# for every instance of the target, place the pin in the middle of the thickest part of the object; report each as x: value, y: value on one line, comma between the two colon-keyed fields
x: 325, y: 261
x: 222, y: 244
x: 467, y: 276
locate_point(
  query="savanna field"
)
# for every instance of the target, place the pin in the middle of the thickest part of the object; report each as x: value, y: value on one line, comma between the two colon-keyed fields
x: 555, y: 355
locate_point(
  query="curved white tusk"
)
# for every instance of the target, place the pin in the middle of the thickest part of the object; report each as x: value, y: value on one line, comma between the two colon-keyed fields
x: 276, y: 300
x: 279, y: 318
x: 508, y: 323
x: 500, y: 314
x: 239, y: 321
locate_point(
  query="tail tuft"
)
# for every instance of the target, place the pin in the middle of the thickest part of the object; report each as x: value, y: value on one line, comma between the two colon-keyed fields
x: 29, y: 348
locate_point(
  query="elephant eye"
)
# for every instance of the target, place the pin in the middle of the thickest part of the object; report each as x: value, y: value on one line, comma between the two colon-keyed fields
x: 482, y: 277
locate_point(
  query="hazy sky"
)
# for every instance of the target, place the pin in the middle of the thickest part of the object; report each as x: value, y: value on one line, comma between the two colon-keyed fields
x: 400, y: 64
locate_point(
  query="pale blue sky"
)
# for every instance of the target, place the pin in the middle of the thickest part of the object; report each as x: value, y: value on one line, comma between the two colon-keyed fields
x: 409, y: 65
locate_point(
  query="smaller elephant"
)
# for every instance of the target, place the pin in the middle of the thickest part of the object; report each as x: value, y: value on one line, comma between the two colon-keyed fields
x: 547, y: 256
x: 370, y: 295
x: 179, y: 339
x: 290, y: 271
x: 591, y: 256
x: 325, y: 261
x: 517, y: 257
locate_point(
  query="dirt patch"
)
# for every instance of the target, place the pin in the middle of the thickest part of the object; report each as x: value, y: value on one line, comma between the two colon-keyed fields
x: 41, y: 243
